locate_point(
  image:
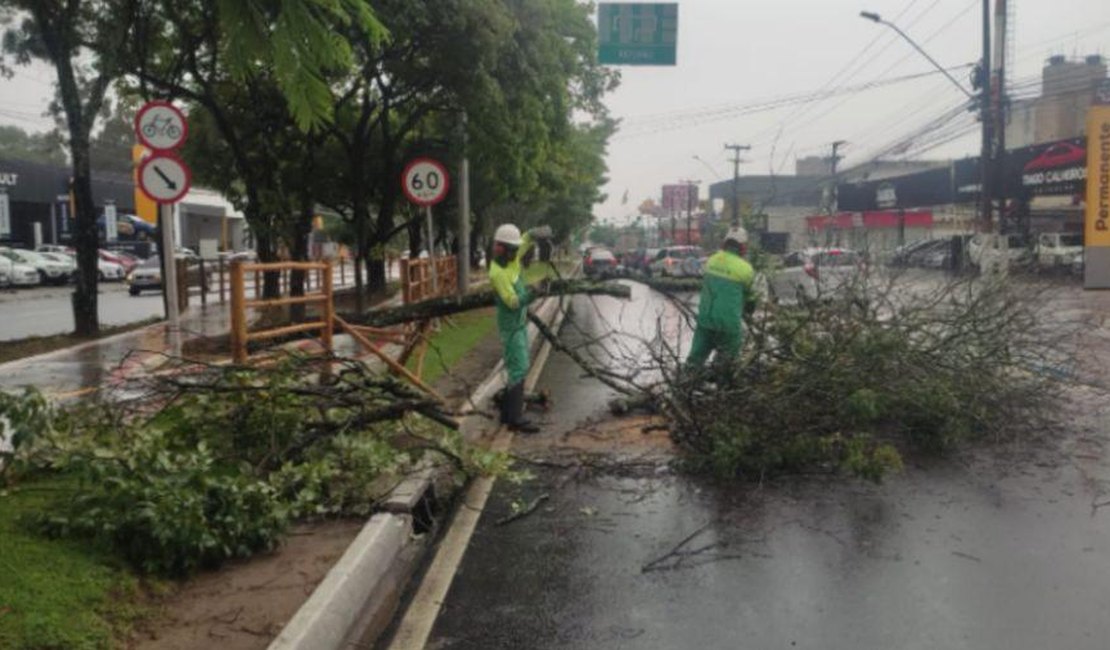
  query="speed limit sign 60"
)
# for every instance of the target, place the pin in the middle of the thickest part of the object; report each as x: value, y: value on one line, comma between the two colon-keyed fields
x: 425, y: 181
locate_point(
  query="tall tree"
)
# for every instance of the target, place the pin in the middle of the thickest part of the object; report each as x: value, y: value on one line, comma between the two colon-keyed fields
x: 233, y: 58
x: 17, y: 144
x: 81, y: 39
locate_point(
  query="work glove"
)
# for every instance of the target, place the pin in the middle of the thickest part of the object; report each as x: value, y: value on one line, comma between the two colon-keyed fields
x: 540, y: 232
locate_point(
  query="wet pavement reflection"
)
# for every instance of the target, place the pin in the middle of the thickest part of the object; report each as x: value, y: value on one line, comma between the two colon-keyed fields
x: 1003, y: 547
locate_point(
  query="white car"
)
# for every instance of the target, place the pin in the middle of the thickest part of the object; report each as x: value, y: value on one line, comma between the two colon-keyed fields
x: 814, y: 273
x: 54, y: 248
x: 50, y: 272
x: 1058, y: 249
x: 677, y: 261
x: 994, y: 252
x: 61, y: 258
x: 19, y: 275
x: 110, y: 271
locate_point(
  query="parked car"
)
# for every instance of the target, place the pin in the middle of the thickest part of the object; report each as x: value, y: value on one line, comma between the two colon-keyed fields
x: 1056, y: 249
x: 989, y: 251
x: 600, y: 263
x: 1075, y: 264
x: 61, y: 258
x: 55, y: 248
x: 244, y: 255
x: 904, y: 254
x: 116, y: 258
x: 17, y: 275
x: 677, y: 261
x: 50, y: 272
x: 640, y: 259
x: 147, y: 276
x: 815, y: 273
x: 110, y: 271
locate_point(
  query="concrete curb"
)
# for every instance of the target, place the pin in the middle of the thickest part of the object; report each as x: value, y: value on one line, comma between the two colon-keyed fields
x: 48, y: 356
x: 357, y: 599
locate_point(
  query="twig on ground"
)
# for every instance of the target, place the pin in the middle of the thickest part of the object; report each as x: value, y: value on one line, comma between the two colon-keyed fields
x: 525, y: 511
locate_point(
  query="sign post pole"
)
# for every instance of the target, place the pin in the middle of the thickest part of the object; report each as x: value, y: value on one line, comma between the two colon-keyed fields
x: 165, y: 178
x: 169, y: 277
x: 432, y: 250
x: 425, y: 182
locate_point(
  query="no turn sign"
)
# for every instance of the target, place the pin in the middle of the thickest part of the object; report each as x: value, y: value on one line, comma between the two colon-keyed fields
x: 425, y: 181
x: 165, y: 178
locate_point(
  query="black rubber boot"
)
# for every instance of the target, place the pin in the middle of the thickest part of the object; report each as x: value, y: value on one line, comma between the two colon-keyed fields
x: 513, y: 412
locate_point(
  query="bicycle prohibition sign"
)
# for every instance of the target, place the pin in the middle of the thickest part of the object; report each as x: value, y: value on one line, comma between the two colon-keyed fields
x: 161, y: 126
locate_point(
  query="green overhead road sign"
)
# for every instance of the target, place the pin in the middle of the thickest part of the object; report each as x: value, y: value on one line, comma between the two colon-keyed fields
x: 637, y: 33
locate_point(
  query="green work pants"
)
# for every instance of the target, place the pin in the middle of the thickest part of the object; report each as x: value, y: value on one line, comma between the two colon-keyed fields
x: 514, y: 343
x: 726, y: 343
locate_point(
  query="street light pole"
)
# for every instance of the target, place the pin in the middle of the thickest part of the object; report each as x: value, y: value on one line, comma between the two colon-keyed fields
x: 984, y: 101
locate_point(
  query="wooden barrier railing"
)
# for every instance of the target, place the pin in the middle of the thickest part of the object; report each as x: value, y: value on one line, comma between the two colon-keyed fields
x: 322, y: 296
x: 418, y: 282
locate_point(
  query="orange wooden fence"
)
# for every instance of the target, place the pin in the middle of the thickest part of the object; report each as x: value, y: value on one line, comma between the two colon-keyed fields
x: 322, y: 296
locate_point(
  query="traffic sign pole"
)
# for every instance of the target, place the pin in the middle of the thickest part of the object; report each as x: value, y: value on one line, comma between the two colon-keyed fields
x: 432, y: 250
x: 425, y: 182
x: 169, y: 276
x: 165, y: 178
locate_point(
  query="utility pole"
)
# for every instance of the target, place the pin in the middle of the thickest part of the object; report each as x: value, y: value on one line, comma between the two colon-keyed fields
x: 998, y: 108
x: 463, y: 261
x: 834, y: 160
x: 986, y: 167
x: 736, y: 149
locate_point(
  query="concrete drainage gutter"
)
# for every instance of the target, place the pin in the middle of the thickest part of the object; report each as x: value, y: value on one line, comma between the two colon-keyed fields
x: 358, y: 598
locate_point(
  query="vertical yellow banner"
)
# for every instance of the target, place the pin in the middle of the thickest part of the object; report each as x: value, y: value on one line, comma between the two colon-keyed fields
x: 145, y: 208
x: 1098, y: 177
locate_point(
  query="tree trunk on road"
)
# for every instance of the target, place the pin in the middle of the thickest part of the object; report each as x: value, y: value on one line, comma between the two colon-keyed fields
x: 440, y: 307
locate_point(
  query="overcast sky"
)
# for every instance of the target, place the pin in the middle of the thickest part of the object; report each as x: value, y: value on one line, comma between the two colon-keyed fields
x: 735, y: 55
x: 738, y: 53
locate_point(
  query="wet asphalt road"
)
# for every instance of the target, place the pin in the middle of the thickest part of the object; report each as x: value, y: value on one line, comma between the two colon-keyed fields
x: 43, y: 311
x: 1005, y: 548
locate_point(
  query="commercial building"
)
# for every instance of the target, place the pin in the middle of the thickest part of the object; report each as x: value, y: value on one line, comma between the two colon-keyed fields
x: 39, y: 209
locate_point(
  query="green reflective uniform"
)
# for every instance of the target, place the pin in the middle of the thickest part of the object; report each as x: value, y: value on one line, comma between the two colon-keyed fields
x: 725, y: 290
x: 512, y: 311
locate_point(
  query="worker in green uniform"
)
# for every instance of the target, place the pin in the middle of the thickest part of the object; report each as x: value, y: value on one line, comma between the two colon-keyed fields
x: 513, y: 297
x: 726, y: 294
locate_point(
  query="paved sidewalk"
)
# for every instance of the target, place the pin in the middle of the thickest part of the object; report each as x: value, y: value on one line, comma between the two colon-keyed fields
x: 82, y: 369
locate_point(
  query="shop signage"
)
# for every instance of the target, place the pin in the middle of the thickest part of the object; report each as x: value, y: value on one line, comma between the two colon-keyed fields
x: 9, y: 179
x: 1096, y: 268
x: 5, y: 216
x: 886, y: 196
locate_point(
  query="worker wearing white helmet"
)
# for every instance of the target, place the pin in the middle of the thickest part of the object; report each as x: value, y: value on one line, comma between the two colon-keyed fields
x: 726, y: 292
x: 509, y: 247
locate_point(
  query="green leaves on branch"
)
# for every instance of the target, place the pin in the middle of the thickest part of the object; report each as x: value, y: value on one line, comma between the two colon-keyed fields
x: 214, y: 463
x: 301, y: 42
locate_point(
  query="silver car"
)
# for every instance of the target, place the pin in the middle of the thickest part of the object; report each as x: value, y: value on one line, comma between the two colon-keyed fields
x: 815, y: 273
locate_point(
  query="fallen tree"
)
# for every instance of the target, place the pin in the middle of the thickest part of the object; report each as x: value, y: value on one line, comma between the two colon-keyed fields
x: 441, y: 307
x: 849, y: 381
x: 200, y: 464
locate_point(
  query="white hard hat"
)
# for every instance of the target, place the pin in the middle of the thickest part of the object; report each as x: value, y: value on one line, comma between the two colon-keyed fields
x: 507, y: 234
x: 737, y: 234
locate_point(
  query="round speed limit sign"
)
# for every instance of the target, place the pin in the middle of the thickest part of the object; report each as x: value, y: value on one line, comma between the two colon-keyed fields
x: 425, y: 181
